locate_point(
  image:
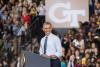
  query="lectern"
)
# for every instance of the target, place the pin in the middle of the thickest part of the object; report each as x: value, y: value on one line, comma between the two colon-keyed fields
x: 34, y: 60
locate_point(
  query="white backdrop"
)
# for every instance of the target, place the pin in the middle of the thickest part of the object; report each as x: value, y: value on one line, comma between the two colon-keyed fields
x: 66, y: 13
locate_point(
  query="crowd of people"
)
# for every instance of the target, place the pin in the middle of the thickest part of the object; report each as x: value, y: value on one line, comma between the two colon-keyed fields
x: 80, y: 47
x: 16, y: 19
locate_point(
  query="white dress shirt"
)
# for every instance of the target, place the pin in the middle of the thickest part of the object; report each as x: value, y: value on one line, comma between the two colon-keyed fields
x: 53, y: 46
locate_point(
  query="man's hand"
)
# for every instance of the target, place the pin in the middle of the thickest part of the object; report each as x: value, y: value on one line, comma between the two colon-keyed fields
x: 53, y: 56
x: 45, y: 56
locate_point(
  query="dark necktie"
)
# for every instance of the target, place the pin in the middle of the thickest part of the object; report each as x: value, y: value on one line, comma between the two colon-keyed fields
x: 45, y: 44
x: 71, y: 64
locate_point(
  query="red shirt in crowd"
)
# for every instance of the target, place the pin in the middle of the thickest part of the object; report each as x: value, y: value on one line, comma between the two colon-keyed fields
x: 26, y: 19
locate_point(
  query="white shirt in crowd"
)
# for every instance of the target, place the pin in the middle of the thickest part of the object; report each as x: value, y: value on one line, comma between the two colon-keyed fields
x: 53, y: 46
x: 41, y: 10
x: 70, y: 64
x: 77, y: 43
x: 22, y: 29
x: 71, y: 61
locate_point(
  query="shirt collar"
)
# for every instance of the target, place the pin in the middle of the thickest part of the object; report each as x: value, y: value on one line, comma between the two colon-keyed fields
x: 49, y: 35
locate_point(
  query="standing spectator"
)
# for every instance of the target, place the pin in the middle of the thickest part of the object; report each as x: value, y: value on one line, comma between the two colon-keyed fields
x: 41, y: 13
x: 65, y: 43
x: 33, y: 11
x: 91, y: 7
x: 26, y: 17
x: 89, y: 39
x: 1, y: 29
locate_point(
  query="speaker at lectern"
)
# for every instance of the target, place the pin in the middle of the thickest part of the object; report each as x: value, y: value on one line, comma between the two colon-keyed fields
x: 29, y: 59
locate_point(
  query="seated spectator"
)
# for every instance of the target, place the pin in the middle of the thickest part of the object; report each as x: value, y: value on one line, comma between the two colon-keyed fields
x: 78, y: 41
x: 85, y: 60
x: 71, y: 61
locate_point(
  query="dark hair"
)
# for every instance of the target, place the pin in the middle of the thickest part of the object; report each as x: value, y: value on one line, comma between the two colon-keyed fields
x: 47, y: 23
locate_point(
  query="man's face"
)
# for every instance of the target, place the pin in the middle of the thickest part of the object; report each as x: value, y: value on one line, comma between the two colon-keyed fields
x: 47, y: 29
